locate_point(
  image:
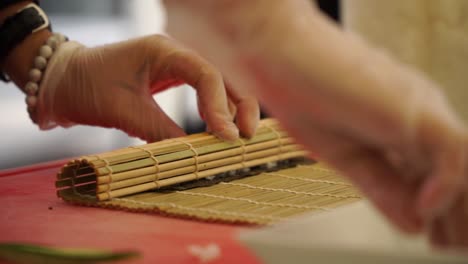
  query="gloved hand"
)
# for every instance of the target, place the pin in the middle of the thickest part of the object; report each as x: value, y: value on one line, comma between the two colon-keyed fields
x: 382, y: 124
x: 450, y: 229
x: 112, y: 86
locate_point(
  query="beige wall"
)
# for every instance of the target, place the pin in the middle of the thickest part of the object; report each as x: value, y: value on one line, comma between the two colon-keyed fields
x: 429, y: 34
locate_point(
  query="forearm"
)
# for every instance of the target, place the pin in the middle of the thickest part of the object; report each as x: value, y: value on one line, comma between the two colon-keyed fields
x: 19, y: 61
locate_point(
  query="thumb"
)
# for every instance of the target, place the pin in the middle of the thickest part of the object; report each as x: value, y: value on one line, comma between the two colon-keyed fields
x: 147, y: 121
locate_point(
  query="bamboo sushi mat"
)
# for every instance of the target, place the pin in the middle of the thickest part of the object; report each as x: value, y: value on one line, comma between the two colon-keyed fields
x: 257, y: 181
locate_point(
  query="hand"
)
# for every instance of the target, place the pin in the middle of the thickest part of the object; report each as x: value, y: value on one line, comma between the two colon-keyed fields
x: 112, y: 86
x: 382, y: 124
x: 450, y: 228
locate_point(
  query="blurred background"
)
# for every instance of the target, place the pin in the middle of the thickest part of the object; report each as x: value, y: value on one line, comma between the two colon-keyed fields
x: 93, y: 23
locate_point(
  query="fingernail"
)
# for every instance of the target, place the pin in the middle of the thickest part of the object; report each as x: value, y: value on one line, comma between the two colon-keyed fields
x: 230, y: 132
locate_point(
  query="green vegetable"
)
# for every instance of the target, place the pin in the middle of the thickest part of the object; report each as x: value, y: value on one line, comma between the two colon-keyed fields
x: 34, y: 254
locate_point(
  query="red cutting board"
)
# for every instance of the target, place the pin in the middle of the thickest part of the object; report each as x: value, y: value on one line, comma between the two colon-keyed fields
x: 31, y: 212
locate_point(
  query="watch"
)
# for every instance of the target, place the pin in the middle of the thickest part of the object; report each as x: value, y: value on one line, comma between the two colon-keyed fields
x: 29, y: 19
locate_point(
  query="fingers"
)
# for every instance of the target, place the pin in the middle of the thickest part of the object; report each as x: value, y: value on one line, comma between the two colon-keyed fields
x: 450, y: 229
x: 244, y: 109
x: 143, y: 118
x: 211, y: 93
x: 367, y: 169
x: 248, y: 111
x: 384, y: 187
x: 231, y: 106
x: 447, y: 178
x: 182, y: 65
x: 437, y: 234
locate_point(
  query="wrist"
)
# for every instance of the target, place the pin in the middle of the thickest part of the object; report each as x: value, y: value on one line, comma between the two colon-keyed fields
x: 20, y: 60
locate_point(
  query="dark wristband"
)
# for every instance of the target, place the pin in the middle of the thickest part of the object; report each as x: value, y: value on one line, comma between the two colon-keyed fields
x: 17, y: 27
x: 7, y: 3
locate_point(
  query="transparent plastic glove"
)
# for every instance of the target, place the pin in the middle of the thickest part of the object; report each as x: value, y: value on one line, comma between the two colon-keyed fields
x: 382, y: 124
x: 112, y: 86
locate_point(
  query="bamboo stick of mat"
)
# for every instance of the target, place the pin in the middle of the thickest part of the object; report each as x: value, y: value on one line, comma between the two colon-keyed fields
x: 184, y: 166
x: 170, y: 146
x: 137, y: 169
x: 130, y: 181
x: 181, y: 166
x: 134, y: 165
x: 165, y: 146
x: 140, y: 157
x: 145, y: 166
x: 185, y: 151
x: 193, y: 176
x: 265, y: 200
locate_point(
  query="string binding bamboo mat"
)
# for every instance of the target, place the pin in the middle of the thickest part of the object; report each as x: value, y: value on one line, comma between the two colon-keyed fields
x: 257, y: 181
